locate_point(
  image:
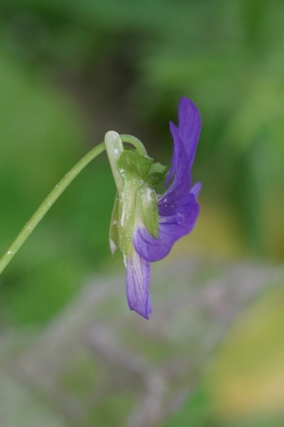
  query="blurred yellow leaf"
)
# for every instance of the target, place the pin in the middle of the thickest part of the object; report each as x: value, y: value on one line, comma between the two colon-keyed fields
x: 247, y: 377
x: 217, y: 233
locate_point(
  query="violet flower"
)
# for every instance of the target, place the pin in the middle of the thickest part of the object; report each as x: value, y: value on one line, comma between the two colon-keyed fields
x: 144, y: 224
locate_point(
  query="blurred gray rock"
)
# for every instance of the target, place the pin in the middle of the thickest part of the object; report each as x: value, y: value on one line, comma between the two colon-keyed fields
x: 99, y: 364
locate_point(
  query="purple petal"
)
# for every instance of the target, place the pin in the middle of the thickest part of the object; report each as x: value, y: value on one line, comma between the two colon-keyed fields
x: 187, y: 134
x: 171, y: 228
x: 189, y: 126
x: 196, y: 189
x: 182, y: 180
x: 180, y: 162
x: 137, y: 284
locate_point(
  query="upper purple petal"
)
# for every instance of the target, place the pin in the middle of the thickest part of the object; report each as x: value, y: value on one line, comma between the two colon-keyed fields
x: 187, y: 134
x: 137, y: 284
x: 182, y: 179
x: 171, y: 228
x: 189, y: 126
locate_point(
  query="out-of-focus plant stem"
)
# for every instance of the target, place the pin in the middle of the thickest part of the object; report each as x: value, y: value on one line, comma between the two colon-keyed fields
x: 47, y: 203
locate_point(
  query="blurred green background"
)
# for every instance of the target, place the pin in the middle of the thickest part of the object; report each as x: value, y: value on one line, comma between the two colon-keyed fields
x: 72, y: 70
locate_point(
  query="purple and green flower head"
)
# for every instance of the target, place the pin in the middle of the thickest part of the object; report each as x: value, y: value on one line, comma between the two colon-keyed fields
x: 144, y: 224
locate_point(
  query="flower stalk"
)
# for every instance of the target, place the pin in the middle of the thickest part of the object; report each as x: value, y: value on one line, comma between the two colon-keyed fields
x: 47, y: 203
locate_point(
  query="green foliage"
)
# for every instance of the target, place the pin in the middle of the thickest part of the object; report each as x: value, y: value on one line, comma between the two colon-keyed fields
x: 226, y: 56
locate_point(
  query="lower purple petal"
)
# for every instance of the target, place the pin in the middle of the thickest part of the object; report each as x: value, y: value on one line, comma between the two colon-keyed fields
x: 137, y: 284
x: 171, y: 228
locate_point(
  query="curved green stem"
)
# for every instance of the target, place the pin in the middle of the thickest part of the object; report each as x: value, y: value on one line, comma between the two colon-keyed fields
x: 136, y: 142
x: 47, y: 203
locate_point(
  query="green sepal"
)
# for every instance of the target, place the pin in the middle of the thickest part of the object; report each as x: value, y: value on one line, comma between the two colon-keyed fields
x: 126, y: 217
x: 137, y: 203
x: 113, y: 229
x: 157, y: 174
x: 132, y: 165
x: 148, y: 209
